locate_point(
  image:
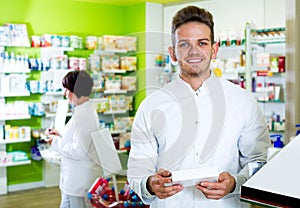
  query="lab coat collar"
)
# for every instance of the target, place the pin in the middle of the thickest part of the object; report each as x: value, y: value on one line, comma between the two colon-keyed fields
x: 82, y: 106
x: 201, y: 90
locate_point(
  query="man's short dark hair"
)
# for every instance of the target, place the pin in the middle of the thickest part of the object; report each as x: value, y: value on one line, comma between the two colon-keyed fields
x: 192, y: 14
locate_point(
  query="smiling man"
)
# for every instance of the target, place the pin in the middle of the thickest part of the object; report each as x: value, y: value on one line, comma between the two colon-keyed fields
x: 193, y: 49
x: 196, y: 121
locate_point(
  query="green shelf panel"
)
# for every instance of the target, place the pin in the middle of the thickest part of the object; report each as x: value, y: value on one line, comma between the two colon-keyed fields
x: 79, y: 53
x: 31, y: 98
x: 32, y: 52
x: 33, y: 122
x: 25, y: 173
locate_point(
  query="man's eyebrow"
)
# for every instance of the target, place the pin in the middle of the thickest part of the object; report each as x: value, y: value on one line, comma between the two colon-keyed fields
x: 201, y: 39
x: 180, y: 40
x: 204, y: 39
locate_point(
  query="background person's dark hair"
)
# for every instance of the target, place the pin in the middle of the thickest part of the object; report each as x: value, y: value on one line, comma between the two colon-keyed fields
x: 193, y: 14
x: 78, y: 82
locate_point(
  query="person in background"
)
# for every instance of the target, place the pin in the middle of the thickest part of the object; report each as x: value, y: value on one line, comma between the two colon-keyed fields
x: 197, y: 121
x: 80, y: 164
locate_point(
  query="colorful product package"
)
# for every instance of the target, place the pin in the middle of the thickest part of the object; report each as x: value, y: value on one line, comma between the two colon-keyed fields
x: 128, y: 63
x: 4, y: 36
x: 110, y: 62
x: 128, y: 83
x: 18, y: 35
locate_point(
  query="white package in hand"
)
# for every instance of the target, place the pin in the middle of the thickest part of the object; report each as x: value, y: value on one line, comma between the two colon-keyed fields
x: 191, y: 177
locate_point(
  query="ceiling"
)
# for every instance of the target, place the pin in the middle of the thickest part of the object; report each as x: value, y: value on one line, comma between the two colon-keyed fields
x: 128, y: 2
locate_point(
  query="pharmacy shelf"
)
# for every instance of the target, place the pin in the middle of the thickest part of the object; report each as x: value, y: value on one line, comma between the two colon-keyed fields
x: 9, y: 141
x: 271, y: 42
x: 230, y: 52
x: 107, y: 92
x: 10, y: 71
x: 60, y: 93
x: 10, y: 164
x: 233, y: 74
x: 15, y: 94
x: 56, y: 48
x: 115, y: 71
x: 109, y: 52
x: 115, y: 112
x: 49, y: 115
x: 14, y: 117
x: 118, y: 132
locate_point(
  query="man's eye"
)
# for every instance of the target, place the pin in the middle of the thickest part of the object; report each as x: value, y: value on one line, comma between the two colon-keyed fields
x: 202, y: 43
x: 183, y: 45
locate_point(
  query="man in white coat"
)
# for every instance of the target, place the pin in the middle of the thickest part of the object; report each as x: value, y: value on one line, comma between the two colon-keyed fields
x: 196, y: 121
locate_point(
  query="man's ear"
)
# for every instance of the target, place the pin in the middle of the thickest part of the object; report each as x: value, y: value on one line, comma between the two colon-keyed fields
x: 215, y: 49
x: 172, y: 53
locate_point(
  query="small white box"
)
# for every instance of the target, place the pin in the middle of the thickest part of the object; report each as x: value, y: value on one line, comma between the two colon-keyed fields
x: 191, y: 177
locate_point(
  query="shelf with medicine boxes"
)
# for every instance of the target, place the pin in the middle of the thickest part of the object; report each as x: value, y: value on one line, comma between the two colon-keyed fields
x: 42, y: 69
x: 22, y: 90
x: 113, y: 97
x: 13, y: 84
x: 258, y: 65
x: 112, y: 63
x: 112, y: 68
x: 40, y: 72
x: 267, y: 55
x: 14, y: 130
x: 230, y: 61
x: 163, y: 71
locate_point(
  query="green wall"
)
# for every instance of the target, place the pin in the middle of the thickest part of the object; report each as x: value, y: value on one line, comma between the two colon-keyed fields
x: 136, y: 25
x: 78, y: 18
x: 64, y: 17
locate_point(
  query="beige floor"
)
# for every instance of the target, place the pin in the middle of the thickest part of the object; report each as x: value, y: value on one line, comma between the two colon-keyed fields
x: 34, y: 198
x: 41, y: 198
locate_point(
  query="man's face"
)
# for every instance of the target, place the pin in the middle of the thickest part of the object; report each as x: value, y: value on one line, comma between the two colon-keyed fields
x: 193, y: 49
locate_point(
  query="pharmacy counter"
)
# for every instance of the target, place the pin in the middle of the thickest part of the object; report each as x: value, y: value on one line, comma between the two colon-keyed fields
x: 277, y: 183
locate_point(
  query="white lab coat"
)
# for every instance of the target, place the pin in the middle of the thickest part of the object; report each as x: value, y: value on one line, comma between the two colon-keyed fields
x: 80, y: 164
x: 177, y: 128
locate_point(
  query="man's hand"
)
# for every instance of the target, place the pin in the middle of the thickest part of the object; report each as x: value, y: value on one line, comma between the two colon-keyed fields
x: 217, y: 190
x: 156, y: 184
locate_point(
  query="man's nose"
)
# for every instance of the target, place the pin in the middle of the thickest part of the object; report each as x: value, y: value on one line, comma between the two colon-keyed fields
x: 194, y: 49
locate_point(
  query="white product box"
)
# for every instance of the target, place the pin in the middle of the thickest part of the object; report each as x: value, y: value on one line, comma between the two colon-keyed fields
x: 191, y: 177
